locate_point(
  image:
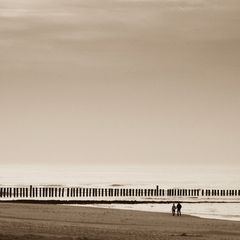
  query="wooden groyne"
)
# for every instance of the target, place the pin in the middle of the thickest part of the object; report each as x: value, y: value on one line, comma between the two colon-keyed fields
x: 58, y: 193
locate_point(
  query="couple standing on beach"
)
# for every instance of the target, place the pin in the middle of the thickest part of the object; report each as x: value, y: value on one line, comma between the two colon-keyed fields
x: 178, y: 207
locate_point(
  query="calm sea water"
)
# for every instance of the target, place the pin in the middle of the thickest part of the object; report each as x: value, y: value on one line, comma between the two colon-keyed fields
x: 144, y: 175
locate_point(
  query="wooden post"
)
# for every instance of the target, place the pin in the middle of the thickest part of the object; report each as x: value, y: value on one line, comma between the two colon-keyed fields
x: 157, y: 190
x: 145, y: 192
x: 30, y: 191
x: 151, y: 192
x: 33, y: 192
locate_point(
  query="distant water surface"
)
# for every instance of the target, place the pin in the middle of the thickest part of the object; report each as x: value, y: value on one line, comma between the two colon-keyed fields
x: 132, y: 175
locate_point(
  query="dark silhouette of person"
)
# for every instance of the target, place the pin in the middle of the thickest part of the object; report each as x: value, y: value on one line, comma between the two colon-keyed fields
x: 179, y: 207
x: 173, y: 209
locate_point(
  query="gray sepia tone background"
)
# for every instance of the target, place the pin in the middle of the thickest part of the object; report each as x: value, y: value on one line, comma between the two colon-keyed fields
x: 120, y: 81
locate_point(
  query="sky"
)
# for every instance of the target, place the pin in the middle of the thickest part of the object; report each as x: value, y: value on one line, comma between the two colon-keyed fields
x: 120, y: 82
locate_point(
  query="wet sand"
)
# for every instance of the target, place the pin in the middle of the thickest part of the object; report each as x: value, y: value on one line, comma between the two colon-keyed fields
x: 36, y: 221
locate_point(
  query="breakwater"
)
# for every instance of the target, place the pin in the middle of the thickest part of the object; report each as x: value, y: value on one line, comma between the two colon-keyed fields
x: 78, y: 193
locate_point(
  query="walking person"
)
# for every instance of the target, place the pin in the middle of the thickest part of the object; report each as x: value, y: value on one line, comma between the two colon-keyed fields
x: 173, y: 209
x: 179, y: 207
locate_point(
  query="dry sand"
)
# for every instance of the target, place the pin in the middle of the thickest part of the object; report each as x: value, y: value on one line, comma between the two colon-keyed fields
x: 36, y: 221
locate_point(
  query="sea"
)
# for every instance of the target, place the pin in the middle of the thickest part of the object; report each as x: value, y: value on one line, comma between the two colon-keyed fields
x: 135, y: 176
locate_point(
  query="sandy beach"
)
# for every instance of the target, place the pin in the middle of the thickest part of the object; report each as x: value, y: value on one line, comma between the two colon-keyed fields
x: 36, y: 221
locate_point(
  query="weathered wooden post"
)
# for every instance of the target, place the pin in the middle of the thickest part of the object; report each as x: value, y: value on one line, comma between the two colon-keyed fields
x: 33, y: 192
x: 23, y: 192
x: 30, y: 191
x: 183, y: 192
x: 36, y: 192
x: 10, y: 192
x: 130, y: 192
x: 160, y: 192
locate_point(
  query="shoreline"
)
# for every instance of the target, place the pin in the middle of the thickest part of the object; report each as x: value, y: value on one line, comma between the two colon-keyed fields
x: 207, y: 209
x: 20, y: 221
x: 133, y: 208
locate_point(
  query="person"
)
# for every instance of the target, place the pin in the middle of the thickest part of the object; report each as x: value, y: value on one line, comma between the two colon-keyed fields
x: 173, y: 209
x: 179, y: 207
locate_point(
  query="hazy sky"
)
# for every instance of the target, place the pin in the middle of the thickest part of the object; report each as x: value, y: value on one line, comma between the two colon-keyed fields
x: 120, y: 81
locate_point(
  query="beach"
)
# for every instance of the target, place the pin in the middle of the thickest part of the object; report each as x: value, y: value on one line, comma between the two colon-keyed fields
x: 45, y: 221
